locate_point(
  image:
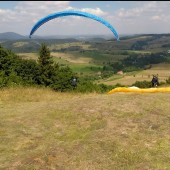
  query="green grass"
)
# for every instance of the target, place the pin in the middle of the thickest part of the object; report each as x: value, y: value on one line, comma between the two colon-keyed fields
x: 77, y: 63
x: 139, y: 52
x: 85, y: 68
x: 60, y: 61
x: 71, y: 44
x: 42, y: 129
x: 114, y: 77
x: 100, y: 57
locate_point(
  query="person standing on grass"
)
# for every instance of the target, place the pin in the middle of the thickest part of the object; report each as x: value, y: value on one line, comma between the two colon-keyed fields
x: 74, y: 82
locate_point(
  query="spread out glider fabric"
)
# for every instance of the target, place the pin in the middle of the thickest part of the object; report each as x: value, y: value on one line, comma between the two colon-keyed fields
x: 136, y: 90
x: 73, y: 13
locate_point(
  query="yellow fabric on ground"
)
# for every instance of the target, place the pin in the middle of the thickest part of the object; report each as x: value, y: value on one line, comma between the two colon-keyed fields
x: 149, y: 90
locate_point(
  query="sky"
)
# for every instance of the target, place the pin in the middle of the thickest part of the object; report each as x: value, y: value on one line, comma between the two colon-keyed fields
x: 127, y: 17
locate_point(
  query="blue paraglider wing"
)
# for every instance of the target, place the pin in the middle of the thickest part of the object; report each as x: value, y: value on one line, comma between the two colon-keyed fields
x: 76, y: 13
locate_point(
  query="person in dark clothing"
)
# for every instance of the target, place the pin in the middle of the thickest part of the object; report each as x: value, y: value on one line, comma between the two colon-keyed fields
x: 74, y: 82
x: 155, y: 81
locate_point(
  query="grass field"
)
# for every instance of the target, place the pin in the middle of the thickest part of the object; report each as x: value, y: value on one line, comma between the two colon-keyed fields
x: 163, y: 71
x: 76, y: 62
x: 101, y: 58
x: 85, y: 68
x: 139, y: 52
x: 41, y: 129
x: 71, y: 44
x: 90, y: 62
x: 58, y: 57
x: 20, y: 44
x: 71, y: 58
x: 28, y: 56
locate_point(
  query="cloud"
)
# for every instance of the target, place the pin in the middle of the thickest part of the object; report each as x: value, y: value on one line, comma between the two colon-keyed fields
x: 138, y: 17
x: 96, y: 11
x: 135, y: 12
x: 145, y: 17
x: 147, y: 9
x: 156, y: 17
x: 27, y: 13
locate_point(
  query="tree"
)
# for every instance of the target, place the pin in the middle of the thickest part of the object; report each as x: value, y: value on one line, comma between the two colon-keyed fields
x: 51, y: 74
x: 62, y: 79
x: 46, y: 65
x: 29, y: 71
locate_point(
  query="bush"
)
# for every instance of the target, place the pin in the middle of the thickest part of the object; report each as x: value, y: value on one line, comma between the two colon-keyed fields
x: 168, y: 81
x: 14, y: 80
x: 86, y: 86
x: 61, y: 81
x: 3, y: 79
x: 142, y: 84
x: 162, y: 83
x: 11, y: 80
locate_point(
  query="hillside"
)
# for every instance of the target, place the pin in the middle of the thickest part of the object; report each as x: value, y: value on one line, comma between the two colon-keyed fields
x: 99, y: 58
x: 163, y: 71
x: 33, y: 45
x: 11, y: 36
x: 42, y: 129
x: 148, y: 42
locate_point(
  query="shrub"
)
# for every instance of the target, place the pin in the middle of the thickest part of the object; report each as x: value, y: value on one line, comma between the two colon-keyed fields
x: 86, y: 86
x: 61, y: 81
x: 168, y: 81
x: 142, y: 84
x: 3, y: 79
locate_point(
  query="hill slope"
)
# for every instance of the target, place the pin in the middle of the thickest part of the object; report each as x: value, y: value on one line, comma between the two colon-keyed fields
x: 144, y: 43
x: 11, y: 36
x: 41, y: 129
x: 163, y: 71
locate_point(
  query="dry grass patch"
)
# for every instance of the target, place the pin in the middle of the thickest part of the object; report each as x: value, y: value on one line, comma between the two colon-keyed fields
x: 71, y: 58
x: 163, y: 71
x: 28, y: 56
x: 20, y: 44
x: 72, y: 44
x: 42, y: 129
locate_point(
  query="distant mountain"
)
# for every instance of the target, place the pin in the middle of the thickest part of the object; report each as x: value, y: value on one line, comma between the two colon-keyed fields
x: 143, y: 42
x: 14, y: 36
x: 11, y: 36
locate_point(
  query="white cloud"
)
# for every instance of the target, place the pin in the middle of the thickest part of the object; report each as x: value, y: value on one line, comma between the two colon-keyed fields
x: 156, y: 17
x: 143, y: 17
x: 27, y: 13
x: 147, y: 9
x: 146, y: 17
x: 96, y: 11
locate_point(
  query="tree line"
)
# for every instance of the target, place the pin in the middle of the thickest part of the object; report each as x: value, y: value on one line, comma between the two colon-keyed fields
x: 136, y: 62
x: 43, y: 72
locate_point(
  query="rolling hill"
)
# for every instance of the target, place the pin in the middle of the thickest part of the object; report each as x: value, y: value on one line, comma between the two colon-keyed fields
x: 11, y: 36
x: 146, y: 42
x: 84, y: 56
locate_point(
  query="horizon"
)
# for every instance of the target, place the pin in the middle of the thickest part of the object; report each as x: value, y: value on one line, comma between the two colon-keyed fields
x: 93, y: 35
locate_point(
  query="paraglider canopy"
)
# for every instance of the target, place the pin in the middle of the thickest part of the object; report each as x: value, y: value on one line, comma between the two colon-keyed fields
x: 74, y: 13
